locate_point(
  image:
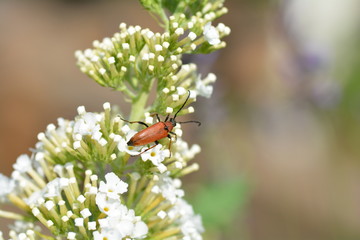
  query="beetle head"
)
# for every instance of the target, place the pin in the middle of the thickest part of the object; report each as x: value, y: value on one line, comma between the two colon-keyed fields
x: 173, y: 121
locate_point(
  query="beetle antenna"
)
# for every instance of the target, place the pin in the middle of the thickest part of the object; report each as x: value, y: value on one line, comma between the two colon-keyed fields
x: 182, y: 105
x: 199, y: 123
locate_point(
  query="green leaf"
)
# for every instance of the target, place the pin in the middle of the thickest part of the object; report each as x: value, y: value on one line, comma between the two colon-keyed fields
x: 221, y: 202
x: 171, y: 5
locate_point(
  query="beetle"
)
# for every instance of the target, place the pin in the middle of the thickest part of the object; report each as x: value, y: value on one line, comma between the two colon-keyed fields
x: 157, y: 131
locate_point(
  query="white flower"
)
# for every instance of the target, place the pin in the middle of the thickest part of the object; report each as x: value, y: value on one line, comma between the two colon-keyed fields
x: 168, y: 187
x: 192, y: 228
x: 190, y: 224
x: 88, y: 124
x: 109, y: 206
x: 156, y: 155
x: 118, y: 229
x: 113, y: 186
x: 25, y: 235
x: 125, y: 227
x: 85, y: 213
x: 53, y: 188
x: 122, y: 145
x: 202, y: 89
x: 63, y: 127
x: 184, y: 152
x: 23, y: 226
x: 107, y: 234
x: 128, y: 224
x: 23, y: 163
x: 211, y: 34
x: 7, y: 185
x: 79, y: 222
x: 34, y: 197
x: 140, y: 230
x: 71, y: 235
x: 121, y: 221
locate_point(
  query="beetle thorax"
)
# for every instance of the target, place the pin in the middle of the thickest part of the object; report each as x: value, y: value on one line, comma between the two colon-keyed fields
x: 169, y: 125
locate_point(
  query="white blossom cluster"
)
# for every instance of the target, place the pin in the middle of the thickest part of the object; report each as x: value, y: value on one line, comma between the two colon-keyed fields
x: 150, y: 56
x: 60, y: 184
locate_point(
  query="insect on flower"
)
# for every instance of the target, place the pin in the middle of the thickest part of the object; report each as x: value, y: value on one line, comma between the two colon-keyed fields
x: 157, y: 131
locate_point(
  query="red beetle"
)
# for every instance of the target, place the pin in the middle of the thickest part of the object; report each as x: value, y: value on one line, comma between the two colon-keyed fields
x: 157, y: 131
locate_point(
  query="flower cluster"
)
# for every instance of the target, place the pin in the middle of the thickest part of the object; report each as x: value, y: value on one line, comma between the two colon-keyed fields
x: 83, y: 179
x: 60, y: 184
x: 150, y: 56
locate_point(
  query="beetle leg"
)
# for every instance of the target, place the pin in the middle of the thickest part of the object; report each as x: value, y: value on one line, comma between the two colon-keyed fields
x: 172, y: 134
x: 139, y: 122
x: 171, y: 140
x: 157, y: 116
x: 156, y: 143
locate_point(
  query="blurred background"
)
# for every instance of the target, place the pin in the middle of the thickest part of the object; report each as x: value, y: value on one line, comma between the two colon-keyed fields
x: 280, y: 136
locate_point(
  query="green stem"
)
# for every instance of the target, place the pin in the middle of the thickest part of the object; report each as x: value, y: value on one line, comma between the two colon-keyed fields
x: 44, y: 236
x: 160, y: 16
x: 11, y: 215
x: 138, y: 106
x: 164, y: 18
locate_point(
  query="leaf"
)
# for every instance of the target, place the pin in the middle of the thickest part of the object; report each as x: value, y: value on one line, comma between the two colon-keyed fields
x: 171, y: 5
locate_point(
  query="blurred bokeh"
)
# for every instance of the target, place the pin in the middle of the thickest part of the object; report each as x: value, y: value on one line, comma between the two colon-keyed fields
x: 280, y: 136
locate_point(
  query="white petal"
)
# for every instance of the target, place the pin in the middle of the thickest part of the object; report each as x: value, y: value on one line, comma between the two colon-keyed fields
x: 140, y: 230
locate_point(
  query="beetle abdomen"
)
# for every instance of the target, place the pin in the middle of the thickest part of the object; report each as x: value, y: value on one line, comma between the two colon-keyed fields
x: 151, y: 134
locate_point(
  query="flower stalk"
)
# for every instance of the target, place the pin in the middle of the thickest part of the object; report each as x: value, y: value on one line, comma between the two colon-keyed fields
x: 138, y: 106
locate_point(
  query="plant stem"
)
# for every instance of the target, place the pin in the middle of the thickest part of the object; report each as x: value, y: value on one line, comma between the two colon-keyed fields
x: 11, y: 215
x: 138, y: 106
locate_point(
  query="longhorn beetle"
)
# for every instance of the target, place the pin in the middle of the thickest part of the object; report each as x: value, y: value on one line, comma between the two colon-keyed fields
x: 157, y: 131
